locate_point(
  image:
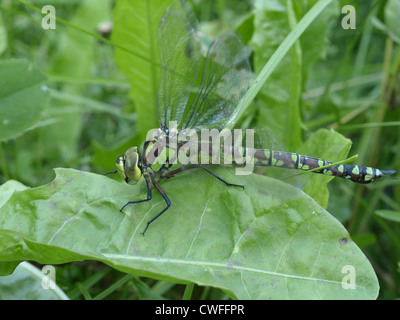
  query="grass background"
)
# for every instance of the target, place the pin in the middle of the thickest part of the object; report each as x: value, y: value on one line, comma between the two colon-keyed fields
x: 347, y: 80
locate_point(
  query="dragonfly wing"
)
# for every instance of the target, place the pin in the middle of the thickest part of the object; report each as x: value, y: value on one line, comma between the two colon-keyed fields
x: 180, y: 58
x: 225, y: 79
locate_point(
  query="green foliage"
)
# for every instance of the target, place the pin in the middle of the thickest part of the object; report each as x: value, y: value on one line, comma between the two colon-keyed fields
x: 23, y: 97
x: 273, y: 20
x: 253, y: 244
x: 278, y: 238
x: 136, y: 28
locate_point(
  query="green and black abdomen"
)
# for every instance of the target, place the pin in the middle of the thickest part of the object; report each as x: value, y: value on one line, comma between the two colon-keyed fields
x: 265, y: 157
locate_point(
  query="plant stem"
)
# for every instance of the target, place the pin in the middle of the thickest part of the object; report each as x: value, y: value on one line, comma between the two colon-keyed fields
x: 188, y: 291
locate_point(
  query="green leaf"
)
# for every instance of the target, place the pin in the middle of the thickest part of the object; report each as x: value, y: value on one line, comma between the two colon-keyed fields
x: 316, y: 185
x: 135, y: 28
x: 3, y: 36
x: 8, y: 188
x: 6, y: 268
x: 23, y: 96
x: 392, y: 13
x: 314, y: 41
x: 389, y: 215
x: 269, y: 240
x: 275, y: 33
x: 75, y: 56
x: 26, y: 284
x: 279, y: 93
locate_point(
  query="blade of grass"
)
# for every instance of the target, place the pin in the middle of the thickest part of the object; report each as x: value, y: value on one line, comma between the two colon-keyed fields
x: 88, y: 283
x: 114, y: 287
x: 84, y: 291
x: 272, y: 63
x: 333, y: 164
x: 121, y: 84
x: 144, y: 291
x: 327, y: 166
x: 187, y: 295
x: 389, y: 215
x: 83, y: 104
x: 370, y: 125
x: 162, y: 287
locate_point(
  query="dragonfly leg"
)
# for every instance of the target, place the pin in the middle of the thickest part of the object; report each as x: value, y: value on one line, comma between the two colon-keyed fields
x: 115, y: 171
x: 171, y: 174
x: 219, y: 178
x: 148, y: 194
x: 167, y: 201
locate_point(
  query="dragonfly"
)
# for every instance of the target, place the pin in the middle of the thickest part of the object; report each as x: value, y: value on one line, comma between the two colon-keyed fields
x: 197, y: 92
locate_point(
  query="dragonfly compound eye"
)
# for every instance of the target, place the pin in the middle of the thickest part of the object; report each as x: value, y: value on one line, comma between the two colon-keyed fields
x: 131, y: 166
x: 120, y: 164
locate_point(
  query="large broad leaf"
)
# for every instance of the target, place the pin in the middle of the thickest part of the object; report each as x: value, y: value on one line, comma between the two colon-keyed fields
x: 269, y: 240
x: 23, y: 96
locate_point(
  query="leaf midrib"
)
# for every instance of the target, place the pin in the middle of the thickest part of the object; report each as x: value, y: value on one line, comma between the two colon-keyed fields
x: 216, y: 265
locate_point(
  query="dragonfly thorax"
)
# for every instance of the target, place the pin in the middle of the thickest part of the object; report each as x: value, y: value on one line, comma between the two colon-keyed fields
x: 128, y: 166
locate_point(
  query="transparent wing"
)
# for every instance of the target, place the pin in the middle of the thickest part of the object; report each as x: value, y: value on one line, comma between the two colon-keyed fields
x: 225, y: 79
x: 180, y: 58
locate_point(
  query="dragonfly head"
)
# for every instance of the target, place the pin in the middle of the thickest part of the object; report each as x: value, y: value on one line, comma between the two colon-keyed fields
x: 128, y: 166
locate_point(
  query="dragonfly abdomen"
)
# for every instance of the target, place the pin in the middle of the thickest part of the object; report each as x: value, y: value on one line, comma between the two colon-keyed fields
x: 266, y: 157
